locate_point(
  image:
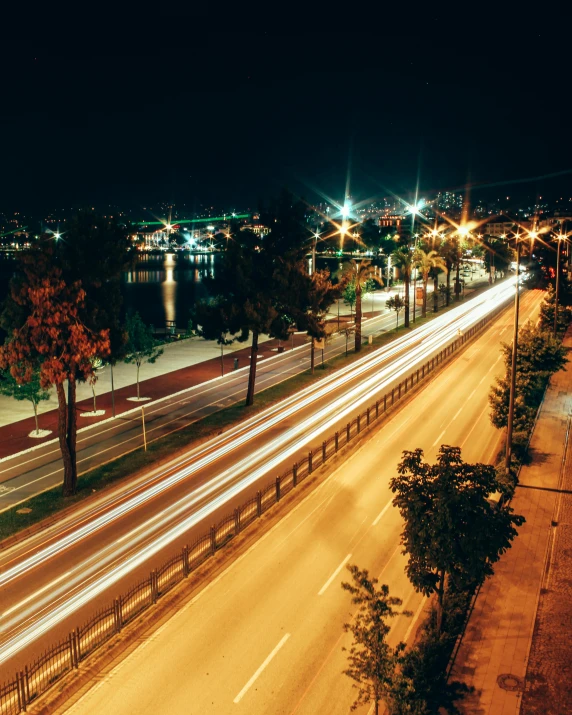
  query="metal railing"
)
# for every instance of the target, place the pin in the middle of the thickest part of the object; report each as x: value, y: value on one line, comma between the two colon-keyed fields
x: 59, y: 659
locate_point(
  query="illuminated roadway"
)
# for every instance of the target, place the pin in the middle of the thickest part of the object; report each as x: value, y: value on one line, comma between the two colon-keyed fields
x: 266, y: 635
x: 27, y: 474
x: 53, y: 581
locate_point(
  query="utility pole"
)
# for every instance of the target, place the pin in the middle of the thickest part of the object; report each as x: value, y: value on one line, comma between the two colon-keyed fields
x: 510, y: 421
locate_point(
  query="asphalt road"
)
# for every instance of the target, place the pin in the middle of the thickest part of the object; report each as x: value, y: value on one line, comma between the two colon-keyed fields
x: 27, y: 474
x: 55, y: 580
x: 266, y: 636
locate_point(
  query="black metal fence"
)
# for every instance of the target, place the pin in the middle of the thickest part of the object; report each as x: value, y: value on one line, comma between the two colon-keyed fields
x: 66, y: 655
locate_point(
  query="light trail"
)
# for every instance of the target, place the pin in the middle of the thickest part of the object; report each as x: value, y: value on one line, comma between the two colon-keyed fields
x: 223, y: 487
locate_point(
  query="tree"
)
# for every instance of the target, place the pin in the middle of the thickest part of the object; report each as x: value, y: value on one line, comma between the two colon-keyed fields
x: 452, y: 532
x: 539, y: 356
x: 426, y: 261
x: 498, y: 255
x: 349, y: 295
x: 361, y: 274
x: 403, y: 257
x: 31, y: 390
x: 397, y: 304
x: 546, y: 315
x: 141, y: 345
x: 53, y: 335
x: 372, y: 661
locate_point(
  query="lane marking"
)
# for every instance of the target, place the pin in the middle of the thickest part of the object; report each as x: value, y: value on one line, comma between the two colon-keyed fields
x: 375, y: 522
x: 260, y: 669
x: 333, y: 576
x: 439, y: 437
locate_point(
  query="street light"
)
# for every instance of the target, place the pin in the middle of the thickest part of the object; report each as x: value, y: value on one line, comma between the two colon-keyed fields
x: 314, y: 244
x: 510, y: 421
x: 561, y: 237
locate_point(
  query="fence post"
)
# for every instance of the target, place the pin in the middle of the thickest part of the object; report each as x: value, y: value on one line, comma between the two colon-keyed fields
x: 26, y: 684
x: 22, y: 701
x: 417, y: 375
x: 376, y: 409
x: 236, y: 520
x: 432, y: 363
x: 348, y: 430
x: 70, y: 644
x: 324, y: 451
x: 367, y: 413
x: 385, y: 403
x: 392, y: 395
x: 406, y: 384
x: 399, y: 391
x: 186, y: 569
x: 358, y: 423
x: 422, y: 372
x: 213, y: 539
x: 258, y: 503
x: 117, y: 614
x: 295, y: 474
x: 337, y: 439
x: 277, y: 488
x: 310, y: 462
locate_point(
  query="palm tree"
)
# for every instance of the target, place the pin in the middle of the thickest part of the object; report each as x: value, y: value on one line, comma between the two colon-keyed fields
x: 426, y: 261
x: 359, y: 274
x: 405, y: 259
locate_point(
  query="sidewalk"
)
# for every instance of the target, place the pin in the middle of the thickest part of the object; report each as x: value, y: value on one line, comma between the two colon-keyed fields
x: 495, y: 650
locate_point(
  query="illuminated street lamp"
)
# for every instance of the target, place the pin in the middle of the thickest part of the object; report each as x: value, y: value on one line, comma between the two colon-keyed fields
x: 314, y: 245
x: 561, y: 237
x: 510, y: 421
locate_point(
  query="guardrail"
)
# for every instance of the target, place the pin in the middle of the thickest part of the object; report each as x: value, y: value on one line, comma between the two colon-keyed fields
x: 36, y: 678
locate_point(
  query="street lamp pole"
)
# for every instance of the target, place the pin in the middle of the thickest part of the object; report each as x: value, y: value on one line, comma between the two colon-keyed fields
x: 510, y: 421
x: 559, y: 237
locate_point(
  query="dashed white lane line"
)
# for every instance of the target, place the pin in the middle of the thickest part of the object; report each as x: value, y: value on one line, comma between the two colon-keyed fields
x: 375, y: 522
x: 438, y: 438
x: 260, y: 669
x: 333, y: 576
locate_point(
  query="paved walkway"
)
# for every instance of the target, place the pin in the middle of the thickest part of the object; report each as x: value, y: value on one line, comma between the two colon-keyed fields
x: 495, y: 650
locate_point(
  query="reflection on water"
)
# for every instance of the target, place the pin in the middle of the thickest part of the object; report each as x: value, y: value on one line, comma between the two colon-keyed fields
x: 165, y: 287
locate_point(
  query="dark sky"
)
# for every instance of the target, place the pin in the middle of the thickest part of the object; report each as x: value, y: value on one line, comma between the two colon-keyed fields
x: 223, y: 108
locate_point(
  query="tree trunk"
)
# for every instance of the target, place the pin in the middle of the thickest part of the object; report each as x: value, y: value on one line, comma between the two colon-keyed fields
x: 312, y: 355
x: 436, y: 292
x: 440, y: 597
x: 407, y: 279
x: 62, y: 434
x: 457, y: 281
x: 424, y: 306
x: 94, y: 399
x: 221, y: 360
x: 138, y: 366
x: 35, y: 405
x: 358, y: 319
x: 72, y: 429
x: 448, y: 294
x: 252, y: 371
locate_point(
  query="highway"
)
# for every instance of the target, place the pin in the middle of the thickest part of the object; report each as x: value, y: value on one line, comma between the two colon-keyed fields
x: 266, y: 635
x: 54, y: 580
x: 26, y: 474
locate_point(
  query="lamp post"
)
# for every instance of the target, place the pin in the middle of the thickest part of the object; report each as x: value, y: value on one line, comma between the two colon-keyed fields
x: 415, y: 236
x: 314, y: 244
x: 560, y: 237
x: 510, y: 421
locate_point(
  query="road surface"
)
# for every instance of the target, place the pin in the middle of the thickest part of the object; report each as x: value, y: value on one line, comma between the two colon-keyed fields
x: 266, y: 636
x: 54, y: 580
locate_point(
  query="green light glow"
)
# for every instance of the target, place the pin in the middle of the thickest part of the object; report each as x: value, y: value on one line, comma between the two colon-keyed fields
x: 191, y: 220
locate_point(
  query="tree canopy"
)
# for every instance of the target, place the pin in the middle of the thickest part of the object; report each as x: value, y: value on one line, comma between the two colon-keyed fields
x: 451, y: 531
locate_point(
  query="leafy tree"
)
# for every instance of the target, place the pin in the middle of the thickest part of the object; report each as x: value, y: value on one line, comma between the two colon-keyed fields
x: 404, y: 258
x: 141, y: 345
x: 372, y: 661
x: 31, y: 390
x: 53, y: 335
x: 539, y: 356
x: 498, y: 254
x: 397, y: 304
x: 546, y: 315
x: 349, y: 295
x: 361, y: 275
x: 426, y: 261
x: 452, y: 532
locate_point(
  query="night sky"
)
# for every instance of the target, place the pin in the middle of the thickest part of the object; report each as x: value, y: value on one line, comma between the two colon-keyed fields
x: 212, y: 107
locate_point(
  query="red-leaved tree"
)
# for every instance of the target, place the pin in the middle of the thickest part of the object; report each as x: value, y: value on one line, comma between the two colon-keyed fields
x: 51, y: 334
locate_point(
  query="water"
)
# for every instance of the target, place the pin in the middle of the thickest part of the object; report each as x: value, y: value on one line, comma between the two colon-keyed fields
x: 162, y: 287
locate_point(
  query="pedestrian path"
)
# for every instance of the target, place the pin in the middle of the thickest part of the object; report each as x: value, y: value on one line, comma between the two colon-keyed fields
x: 495, y: 649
